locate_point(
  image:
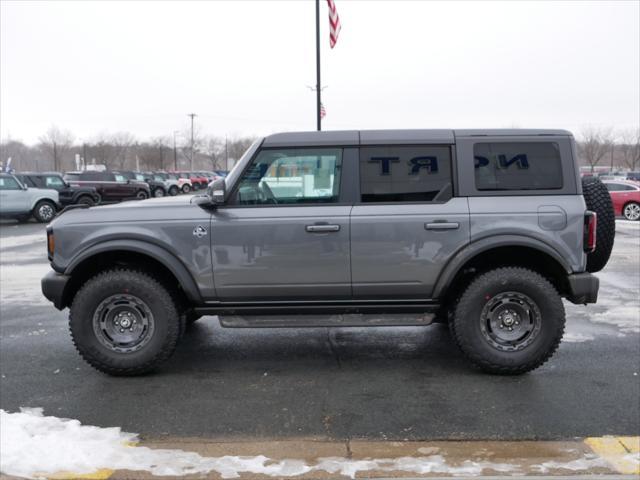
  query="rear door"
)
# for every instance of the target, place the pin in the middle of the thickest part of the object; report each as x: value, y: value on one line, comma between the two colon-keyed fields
x: 284, y: 234
x: 407, y: 223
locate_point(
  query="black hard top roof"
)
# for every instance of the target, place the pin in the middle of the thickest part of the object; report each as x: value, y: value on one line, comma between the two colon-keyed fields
x: 376, y: 137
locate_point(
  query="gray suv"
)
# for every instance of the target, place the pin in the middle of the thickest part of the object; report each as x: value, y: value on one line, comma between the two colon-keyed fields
x: 486, y: 230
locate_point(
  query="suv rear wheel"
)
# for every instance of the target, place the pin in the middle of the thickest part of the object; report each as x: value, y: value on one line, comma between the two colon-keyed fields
x: 186, y: 188
x: 509, y: 321
x: 124, y: 322
x: 173, y: 190
x: 44, y: 211
x: 142, y: 195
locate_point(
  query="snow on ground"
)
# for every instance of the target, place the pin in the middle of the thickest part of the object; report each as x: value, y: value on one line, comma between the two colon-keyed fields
x: 36, y: 446
x: 39, y: 239
x: 20, y: 284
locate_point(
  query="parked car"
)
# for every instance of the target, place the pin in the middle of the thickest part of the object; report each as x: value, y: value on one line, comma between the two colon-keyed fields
x: 486, y: 230
x: 608, y: 177
x: 20, y: 202
x: 111, y: 187
x: 68, y: 194
x: 634, y: 176
x: 156, y: 187
x: 197, y: 182
x: 183, y: 181
x: 625, y: 196
x: 171, y: 186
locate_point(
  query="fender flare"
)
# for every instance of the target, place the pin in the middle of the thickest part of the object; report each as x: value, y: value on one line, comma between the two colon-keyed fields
x: 162, y: 255
x: 489, y: 243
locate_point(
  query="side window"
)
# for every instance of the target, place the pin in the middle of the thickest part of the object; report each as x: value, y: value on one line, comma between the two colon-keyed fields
x: 517, y: 166
x: 291, y: 176
x: 613, y: 187
x: 27, y: 181
x: 628, y: 187
x: 9, y: 183
x: 53, y: 182
x: 405, y: 174
x: 118, y: 178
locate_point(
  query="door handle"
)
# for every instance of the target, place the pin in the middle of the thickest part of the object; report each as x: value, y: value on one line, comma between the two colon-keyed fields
x: 442, y: 226
x: 322, y: 228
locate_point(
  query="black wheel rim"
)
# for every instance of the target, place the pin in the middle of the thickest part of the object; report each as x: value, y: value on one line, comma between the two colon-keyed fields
x: 46, y: 211
x: 123, y: 323
x: 510, y: 321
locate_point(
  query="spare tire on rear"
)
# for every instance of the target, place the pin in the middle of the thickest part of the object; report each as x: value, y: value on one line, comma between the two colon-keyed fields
x: 598, y: 200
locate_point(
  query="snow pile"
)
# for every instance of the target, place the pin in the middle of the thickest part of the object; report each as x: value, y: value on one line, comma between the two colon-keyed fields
x: 35, y: 446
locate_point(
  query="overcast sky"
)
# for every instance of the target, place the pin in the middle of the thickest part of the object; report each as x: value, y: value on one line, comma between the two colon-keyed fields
x: 243, y: 66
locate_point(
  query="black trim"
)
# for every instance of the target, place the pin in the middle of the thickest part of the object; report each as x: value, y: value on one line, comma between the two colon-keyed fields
x: 53, y: 285
x: 583, y: 288
x: 320, y: 308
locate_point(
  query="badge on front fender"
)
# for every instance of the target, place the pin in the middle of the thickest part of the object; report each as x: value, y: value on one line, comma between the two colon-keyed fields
x: 199, y: 231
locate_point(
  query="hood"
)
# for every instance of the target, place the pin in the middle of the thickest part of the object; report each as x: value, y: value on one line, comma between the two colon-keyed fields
x: 163, y: 208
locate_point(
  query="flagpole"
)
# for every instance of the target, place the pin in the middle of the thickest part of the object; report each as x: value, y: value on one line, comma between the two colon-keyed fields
x: 318, y: 89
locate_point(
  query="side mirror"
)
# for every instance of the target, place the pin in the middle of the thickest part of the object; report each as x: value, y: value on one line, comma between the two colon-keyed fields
x: 217, y: 192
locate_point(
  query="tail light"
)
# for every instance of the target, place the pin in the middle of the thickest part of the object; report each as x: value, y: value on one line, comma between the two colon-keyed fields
x: 51, y: 245
x: 590, y: 227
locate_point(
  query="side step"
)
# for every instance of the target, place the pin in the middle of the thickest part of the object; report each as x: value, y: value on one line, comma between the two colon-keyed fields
x: 339, y: 320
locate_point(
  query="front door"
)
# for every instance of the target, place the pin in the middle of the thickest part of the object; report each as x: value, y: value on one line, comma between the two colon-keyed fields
x: 284, y: 234
x: 13, y: 199
x: 407, y: 224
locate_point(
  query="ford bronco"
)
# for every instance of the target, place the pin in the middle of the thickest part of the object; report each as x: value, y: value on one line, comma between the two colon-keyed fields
x: 486, y: 230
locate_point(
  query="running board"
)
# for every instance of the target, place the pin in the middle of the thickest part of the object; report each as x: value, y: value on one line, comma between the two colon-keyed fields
x: 335, y: 320
x: 319, y: 314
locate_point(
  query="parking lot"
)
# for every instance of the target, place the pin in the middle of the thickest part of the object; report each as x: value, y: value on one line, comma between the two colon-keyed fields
x: 327, y: 383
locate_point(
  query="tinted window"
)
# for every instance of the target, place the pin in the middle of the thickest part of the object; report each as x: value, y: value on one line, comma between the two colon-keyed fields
x: 71, y: 176
x: 120, y: 178
x: 405, y: 174
x: 619, y: 187
x: 29, y: 181
x: 9, y: 183
x: 517, y: 166
x: 292, y: 176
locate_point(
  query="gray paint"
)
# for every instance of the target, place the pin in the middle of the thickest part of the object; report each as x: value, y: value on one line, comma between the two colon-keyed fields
x: 274, y: 254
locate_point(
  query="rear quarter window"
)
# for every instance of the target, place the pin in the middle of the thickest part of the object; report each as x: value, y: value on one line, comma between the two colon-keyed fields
x: 517, y: 166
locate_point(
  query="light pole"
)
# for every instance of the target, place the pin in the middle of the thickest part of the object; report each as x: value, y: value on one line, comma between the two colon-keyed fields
x: 192, y: 115
x: 175, y: 151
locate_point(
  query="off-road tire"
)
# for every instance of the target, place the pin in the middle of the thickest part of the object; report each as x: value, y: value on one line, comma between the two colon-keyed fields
x: 173, y: 190
x: 159, y: 192
x: 86, y: 200
x: 186, y: 188
x: 466, y: 324
x: 167, y: 322
x: 42, y: 209
x: 598, y: 200
x: 629, y: 211
x: 142, y: 195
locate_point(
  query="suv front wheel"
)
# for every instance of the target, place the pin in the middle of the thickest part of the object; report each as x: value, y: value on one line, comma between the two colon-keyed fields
x: 124, y: 322
x: 509, y: 321
x: 44, y: 211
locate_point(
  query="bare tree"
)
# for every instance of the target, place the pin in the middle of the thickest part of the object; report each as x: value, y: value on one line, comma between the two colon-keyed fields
x: 122, y: 143
x: 198, y: 143
x: 630, y: 148
x: 238, y: 146
x: 595, y: 144
x: 214, y: 150
x: 56, y: 142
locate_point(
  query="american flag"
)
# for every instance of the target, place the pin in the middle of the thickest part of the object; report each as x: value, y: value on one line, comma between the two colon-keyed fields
x: 334, y: 23
x: 323, y: 112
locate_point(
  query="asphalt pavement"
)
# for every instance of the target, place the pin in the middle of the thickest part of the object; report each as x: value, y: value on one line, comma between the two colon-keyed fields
x: 328, y: 383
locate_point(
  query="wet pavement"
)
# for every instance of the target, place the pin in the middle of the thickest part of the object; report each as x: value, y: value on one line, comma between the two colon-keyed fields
x: 408, y: 383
